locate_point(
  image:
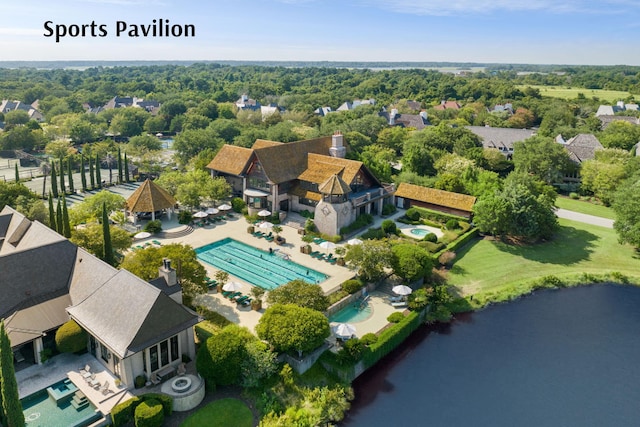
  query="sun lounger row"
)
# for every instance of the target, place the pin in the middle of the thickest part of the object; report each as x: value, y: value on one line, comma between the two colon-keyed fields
x: 260, y: 235
x: 323, y: 257
x: 237, y: 297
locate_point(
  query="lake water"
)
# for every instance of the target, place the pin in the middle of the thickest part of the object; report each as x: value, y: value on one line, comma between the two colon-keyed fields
x: 567, y: 357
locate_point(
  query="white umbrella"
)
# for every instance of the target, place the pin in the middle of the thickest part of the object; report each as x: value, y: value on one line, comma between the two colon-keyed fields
x: 224, y: 207
x: 328, y: 245
x: 354, y: 242
x: 232, y: 286
x: 266, y: 225
x: 142, y: 235
x: 200, y: 214
x: 402, y: 290
x: 212, y: 211
x: 345, y: 330
x: 264, y: 212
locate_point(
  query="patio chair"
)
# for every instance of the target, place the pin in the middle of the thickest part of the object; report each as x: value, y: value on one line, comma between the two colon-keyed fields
x: 234, y: 295
x: 315, y: 253
x: 182, y: 369
x: 105, y: 388
x: 156, y: 242
x: 90, y: 377
x: 226, y: 293
x: 246, y: 302
x: 155, y: 379
x: 85, y: 372
x: 242, y: 299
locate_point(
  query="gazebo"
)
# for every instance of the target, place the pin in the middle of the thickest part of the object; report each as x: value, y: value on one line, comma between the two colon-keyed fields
x: 150, y: 197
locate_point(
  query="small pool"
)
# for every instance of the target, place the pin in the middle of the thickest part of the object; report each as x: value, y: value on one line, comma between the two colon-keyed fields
x: 42, y: 410
x: 353, y: 313
x: 253, y: 265
x: 420, y: 232
x: 167, y: 143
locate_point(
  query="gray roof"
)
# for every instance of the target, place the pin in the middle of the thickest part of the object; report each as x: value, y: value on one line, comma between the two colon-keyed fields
x: 583, y: 147
x: 405, y: 120
x: 607, y: 119
x: 500, y: 138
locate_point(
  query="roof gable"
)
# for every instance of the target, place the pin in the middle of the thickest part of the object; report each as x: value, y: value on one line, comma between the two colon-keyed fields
x: 231, y: 159
x: 150, y: 197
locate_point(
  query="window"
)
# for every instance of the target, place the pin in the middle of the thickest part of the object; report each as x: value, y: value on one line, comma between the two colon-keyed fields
x: 174, y: 348
x: 259, y: 183
x: 153, y: 358
x: 162, y: 354
x: 104, y: 353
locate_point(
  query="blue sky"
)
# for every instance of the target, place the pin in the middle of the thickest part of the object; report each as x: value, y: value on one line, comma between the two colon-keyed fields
x: 509, y: 31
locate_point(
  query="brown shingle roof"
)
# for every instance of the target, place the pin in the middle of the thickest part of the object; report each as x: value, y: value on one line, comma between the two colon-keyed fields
x: 306, y: 194
x: 583, y: 147
x: 334, y: 185
x: 231, y: 159
x: 320, y: 168
x: 149, y: 197
x: 447, y: 199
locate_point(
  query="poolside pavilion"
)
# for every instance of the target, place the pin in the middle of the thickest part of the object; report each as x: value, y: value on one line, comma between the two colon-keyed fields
x: 150, y: 197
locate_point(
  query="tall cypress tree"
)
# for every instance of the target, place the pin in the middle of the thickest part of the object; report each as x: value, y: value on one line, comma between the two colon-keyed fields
x: 108, y: 248
x: 62, y: 186
x: 54, y: 180
x: 98, y: 177
x: 126, y: 168
x: 70, y: 175
x: 17, y: 172
x: 66, y: 225
x: 52, y: 215
x: 59, y: 224
x: 83, y: 176
x: 91, y: 175
x: 11, y: 406
x: 120, y: 171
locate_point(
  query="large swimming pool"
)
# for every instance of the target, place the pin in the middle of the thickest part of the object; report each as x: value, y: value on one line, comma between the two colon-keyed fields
x: 253, y: 265
x: 54, y: 407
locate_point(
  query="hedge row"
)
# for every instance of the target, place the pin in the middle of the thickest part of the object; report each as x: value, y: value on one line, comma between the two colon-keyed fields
x: 459, y: 242
x: 391, y: 338
x: 123, y: 413
x: 149, y: 414
x: 437, y: 216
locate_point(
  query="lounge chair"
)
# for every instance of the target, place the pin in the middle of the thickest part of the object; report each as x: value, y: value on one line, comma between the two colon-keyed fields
x: 155, y: 379
x: 156, y: 242
x: 241, y: 299
x: 105, y: 388
x: 86, y: 371
x: 315, y: 254
x: 246, y: 302
x: 182, y: 369
x: 234, y: 295
x: 226, y: 293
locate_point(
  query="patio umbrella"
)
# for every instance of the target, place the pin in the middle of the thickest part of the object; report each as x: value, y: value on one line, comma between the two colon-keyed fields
x: 142, y: 235
x: 212, y: 211
x: 232, y: 286
x: 224, y: 207
x: 402, y: 290
x: 354, y: 242
x: 264, y: 212
x: 345, y: 330
x: 266, y: 225
x: 200, y: 214
x: 328, y: 245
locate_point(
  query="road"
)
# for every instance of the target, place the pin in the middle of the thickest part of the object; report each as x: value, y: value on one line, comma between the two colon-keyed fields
x: 587, y: 219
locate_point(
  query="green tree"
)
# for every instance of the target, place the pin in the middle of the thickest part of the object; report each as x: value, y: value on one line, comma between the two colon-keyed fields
x: 52, y: 215
x: 92, y: 177
x: 90, y: 209
x: 378, y: 160
x: 59, y: 220
x: 66, y: 226
x: 83, y: 176
x: 17, y: 176
x: 259, y: 363
x: 604, y: 174
x: 91, y: 238
x: 98, y: 177
x: 370, y: 258
x: 128, y: 121
x: 292, y: 328
x: 620, y: 134
x: 542, y: 157
x: 141, y: 144
x: 106, y: 232
x: 59, y: 149
x: 120, y: 170
x: 300, y: 293
x: 411, y: 262
x: 220, y: 360
x: 626, y: 205
x: 54, y: 180
x: 63, y: 187
x: 70, y: 174
x: 126, y: 168
x: 11, y: 407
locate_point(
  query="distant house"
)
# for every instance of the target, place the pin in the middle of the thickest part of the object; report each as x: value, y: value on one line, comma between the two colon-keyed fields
x: 322, y: 111
x: 581, y: 147
x: 126, y: 101
x: 502, y: 108
x: 348, y: 106
x: 414, y: 105
x: 134, y: 327
x: 31, y: 109
x: 605, y: 120
x: 310, y: 175
x: 610, y: 110
x: 408, y: 195
x: 416, y: 121
x: 447, y: 105
x: 246, y: 103
x: 501, y: 139
x: 267, y: 110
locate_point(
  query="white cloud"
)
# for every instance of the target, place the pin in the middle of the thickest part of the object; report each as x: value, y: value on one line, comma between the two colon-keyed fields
x: 20, y: 31
x: 450, y: 7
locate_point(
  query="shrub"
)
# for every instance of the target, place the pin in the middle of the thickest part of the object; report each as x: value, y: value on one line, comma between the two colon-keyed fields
x: 446, y: 258
x: 390, y: 338
x: 153, y: 226
x: 388, y: 209
x: 388, y: 226
x: 373, y: 234
x: 432, y: 247
x: 149, y: 414
x: 369, y: 338
x: 334, y: 297
x: 360, y: 222
x: 71, y: 338
x: 309, y: 226
x: 122, y: 413
x: 165, y: 400
x: 418, y: 299
x: 306, y: 213
x: 619, y: 277
x: 185, y: 217
x: 140, y: 381
x: 352, y: 350
x: 574, y: 196
x: 413, y: 214
x: 452, y: 224
x: 431, y: 237
x: 237, y: 204
x: 395, y: 317
x: 352, y: 286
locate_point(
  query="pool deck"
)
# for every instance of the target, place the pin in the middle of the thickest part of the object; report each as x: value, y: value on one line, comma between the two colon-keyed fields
x: 379, y: 303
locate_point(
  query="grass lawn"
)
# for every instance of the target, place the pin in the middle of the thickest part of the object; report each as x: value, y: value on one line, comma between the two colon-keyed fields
x: 585, y: 207
x: 221, y: 413
x: 612, y: 96
x: 491, y: 266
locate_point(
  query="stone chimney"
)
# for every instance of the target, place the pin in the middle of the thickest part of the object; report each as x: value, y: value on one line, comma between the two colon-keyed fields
x: 392, y: 116
x: 337, y: 145
x: 424, y: 116
x: 168, y: 273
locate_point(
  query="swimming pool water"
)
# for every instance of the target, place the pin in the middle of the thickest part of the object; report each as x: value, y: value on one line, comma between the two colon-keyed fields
x: 258, y: 267
x: 419, y: 232
x: 353, y: 313
x: 40, y: 410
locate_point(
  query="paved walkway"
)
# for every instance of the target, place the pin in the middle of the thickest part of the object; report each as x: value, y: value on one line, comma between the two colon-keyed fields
x: 587, y: 219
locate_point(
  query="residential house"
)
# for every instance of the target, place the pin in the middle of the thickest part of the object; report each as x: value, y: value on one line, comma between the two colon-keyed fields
x: 322, y: 111
x: 348, y: 106
x: 31, y: 109
x: 605, y: 120
x: 581, y: 147
x: 611, y: 110
x: 134, y: 327
x: 447, y: 105
x: 408, y: 195
x: 502, y: 109
x: 415, y: 121
x: 501, y: 139
x: 310, y: 175
x: 246, y: 103
x: 126, y: 101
